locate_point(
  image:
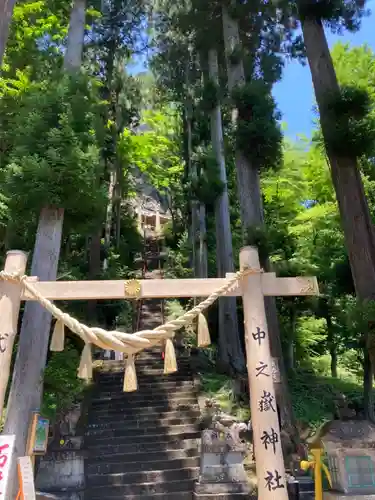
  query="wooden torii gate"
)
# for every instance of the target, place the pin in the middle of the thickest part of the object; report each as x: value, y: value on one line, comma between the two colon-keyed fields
x: 252, y: 286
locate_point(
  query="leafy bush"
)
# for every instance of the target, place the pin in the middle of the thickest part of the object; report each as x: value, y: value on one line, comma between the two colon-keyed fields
x: 61, y: 384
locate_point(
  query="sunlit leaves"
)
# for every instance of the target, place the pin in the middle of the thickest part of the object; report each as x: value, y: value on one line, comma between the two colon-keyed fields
x: 155, y: 148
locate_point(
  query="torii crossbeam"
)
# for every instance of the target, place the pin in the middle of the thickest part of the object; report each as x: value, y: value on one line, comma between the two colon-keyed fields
x: 252, y: 287
x: 167, y: 288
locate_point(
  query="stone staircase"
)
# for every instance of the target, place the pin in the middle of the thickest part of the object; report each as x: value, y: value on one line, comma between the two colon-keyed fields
x: 143, y: 445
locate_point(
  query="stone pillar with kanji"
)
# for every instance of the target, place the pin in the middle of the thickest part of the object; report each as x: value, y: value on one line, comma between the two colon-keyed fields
x: 266, y: 430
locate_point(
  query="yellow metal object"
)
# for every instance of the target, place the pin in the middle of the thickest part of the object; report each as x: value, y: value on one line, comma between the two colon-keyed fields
x: 132, y: 289
x: 305, y: 465
x: 317, y: 467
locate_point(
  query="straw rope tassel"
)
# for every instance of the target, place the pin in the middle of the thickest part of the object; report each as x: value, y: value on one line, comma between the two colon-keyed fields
x: 170, y: 363
x: 85, y: 365
x: 58, y: 337
x: 130, y: 377
x: 204, y: 338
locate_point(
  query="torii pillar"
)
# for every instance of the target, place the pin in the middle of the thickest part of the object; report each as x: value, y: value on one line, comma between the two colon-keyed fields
x: 266, y: 429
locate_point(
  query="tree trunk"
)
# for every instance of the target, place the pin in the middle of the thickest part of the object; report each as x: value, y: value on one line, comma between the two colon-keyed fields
x: 230, y: 353
x: 94, y: 271
x: 193, y: 203
x: 119, y: 173
x: 27, y: 383
x: 109, y: 216
x: 118, y: 193
x: 290, y: 353
x: 250, y: 197
x: 191, y: 169
x: 368, y: 399
x: 202, y: 255
x: 248, y: 182
x: 346, y: 177
x: 76, y: 35
x: 331, y: 345
x: 354, y: 212
x: 6, y: 12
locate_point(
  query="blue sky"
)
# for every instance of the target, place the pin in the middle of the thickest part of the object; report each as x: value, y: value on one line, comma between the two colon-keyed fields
x: 294, y: 93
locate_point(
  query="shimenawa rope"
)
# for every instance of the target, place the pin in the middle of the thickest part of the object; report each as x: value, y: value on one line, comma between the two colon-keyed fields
x: 130, y: 344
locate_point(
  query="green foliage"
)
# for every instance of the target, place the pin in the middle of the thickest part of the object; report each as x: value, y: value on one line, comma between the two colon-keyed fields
x: 351, y: 130
x: 313, y: 396
x: 37, y: 32
x: 210, y: 95
x: 220, y: 388
x: 310, y: 336
x: 61, y: 384
x: 259, y: 237
x: 155, y: 151
x: 337, y: 13
x: 207, y: 186
x: 236, y: 55
x: 173, y: 310
x: 258, y: 133
x: 53, y: 159
x: 178, y: 260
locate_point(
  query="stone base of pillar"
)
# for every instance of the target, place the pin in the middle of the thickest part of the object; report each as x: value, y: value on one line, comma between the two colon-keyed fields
x: 222, y: 491
x: 343, y: 496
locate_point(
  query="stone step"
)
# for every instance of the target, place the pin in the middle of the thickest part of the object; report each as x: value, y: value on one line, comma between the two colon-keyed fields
x: 158, y: 362
x: 146, y: 381
x: 139, y: 432
x: 221, y: 488
x: 151, y: 489
x: 139, y: 478
x: 144, y: 386
x: 146, y: 376
x: 143, y: 395
x: 137, y: 466
x: 129, y: 417
x: 146, y: 421
x: 160, y: 445
x: 154, y: 449
x: 143, y: 416
x: 109, y: 367
x: 144, y: 406
x: 182, y: 495
x: 148, y: 458
x: 138, y: 398
x: 224, y: 496
x: 117, y: 388
x: 143, y: 440
x: 153, y: 381
x: 143, y: 364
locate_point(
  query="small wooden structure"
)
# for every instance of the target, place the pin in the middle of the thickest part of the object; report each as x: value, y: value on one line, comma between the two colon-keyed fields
x: 252, y: 284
